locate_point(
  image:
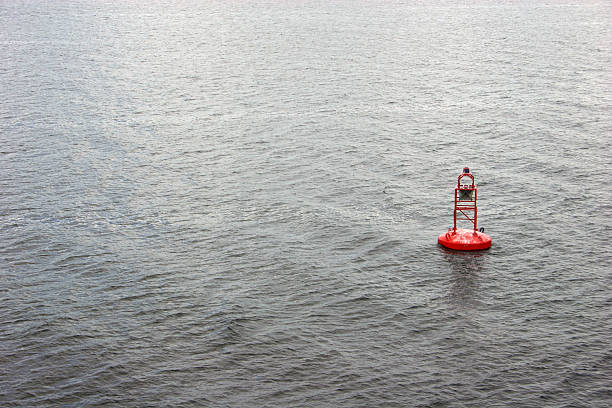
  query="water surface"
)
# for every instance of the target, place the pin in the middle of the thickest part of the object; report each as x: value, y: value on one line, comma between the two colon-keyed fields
x: 236, y: 204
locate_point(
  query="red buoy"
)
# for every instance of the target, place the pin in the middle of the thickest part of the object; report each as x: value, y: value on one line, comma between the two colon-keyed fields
x: 465, y: 204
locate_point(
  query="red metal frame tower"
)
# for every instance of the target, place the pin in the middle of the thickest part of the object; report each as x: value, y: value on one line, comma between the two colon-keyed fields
x: 465, y: 200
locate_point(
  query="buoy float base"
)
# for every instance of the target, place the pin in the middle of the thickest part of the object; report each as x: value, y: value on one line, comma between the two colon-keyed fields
x: 465, y: 240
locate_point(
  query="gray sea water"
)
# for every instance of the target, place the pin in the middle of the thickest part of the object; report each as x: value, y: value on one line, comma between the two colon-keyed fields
x: 236, y: 203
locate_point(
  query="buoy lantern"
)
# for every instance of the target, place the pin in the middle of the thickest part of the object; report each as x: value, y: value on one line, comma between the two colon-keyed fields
x: 465, y: 207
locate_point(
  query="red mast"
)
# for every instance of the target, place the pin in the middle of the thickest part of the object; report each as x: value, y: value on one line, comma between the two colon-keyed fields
x: 465, y: 200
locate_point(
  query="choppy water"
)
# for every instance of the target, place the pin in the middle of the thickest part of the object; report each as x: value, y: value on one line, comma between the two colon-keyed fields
x: 236, y: 203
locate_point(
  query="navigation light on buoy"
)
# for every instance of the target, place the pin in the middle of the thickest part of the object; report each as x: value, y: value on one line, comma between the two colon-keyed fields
x: 465, y: 207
